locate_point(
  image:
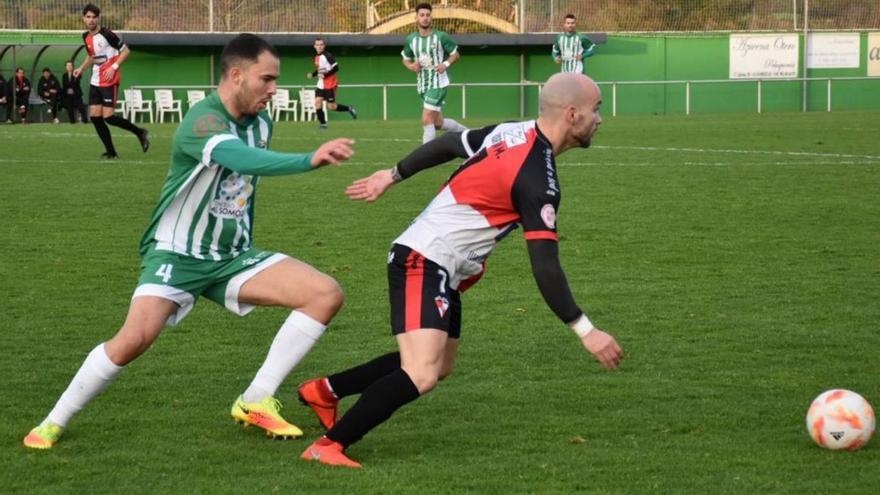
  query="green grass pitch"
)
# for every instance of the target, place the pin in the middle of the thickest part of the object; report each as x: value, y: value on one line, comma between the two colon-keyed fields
x: 736, y: 258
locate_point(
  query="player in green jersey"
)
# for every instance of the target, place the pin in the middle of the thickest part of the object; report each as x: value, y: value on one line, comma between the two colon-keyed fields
x: 199, y: 243
x: 429, y: 53
x: 571, y: 47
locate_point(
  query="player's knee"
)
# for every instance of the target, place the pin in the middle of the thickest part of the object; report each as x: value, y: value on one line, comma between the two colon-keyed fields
x: 328, y: 295
x: 125, y: 347
x: 425, y: 381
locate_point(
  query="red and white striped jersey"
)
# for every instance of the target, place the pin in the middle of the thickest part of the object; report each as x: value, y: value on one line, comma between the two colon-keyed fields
x: 510, y: 180
x: 324, y: 63
x: 104, y: 47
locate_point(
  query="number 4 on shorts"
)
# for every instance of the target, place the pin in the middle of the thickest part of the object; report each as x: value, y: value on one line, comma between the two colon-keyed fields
x: 164, y: 271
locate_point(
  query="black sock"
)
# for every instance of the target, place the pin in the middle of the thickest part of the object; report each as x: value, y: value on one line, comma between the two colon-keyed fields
x: 125, y: 124
x: 355, y: 380
x: 104, y: 134
x: 321, y: 118
x: 375, y: 406
x: 341, y: 108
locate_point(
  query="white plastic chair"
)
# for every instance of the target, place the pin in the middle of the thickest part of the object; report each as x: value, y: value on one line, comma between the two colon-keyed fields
x: 137, y: 104
x: 281, y: 102
x: 194, y: 96
x: 165, y: 103
x: 307, y: 98
x: 121, y: 106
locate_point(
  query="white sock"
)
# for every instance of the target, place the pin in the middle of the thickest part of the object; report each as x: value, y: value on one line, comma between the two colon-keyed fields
x: 294, y: 340
x: 451, y: 125
x: 428, y: 133
x: 96, y: 372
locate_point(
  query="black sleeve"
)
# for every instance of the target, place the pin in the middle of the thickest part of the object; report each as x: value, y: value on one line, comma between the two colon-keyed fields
x: 112, y: 38
x: 431, y: 154
x: 473, y: 138
x: 447, y: 147
x: 548, y: 273
x: 332, y: 71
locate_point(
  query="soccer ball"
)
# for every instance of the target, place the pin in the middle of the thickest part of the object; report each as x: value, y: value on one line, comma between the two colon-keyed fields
x: 840, y: 419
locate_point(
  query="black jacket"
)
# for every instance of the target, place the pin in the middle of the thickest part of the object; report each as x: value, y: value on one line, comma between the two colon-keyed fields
x: 22, y: 89
x: 68, y: 82
x: 49, y: 89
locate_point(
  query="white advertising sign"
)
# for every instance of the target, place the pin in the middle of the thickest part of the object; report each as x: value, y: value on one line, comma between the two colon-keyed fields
x: 763, y: 56
x: 874, y: 54
x: 833, y: 51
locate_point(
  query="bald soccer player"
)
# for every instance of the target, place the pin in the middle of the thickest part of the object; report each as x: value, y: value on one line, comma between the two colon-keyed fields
x: 508, y: 179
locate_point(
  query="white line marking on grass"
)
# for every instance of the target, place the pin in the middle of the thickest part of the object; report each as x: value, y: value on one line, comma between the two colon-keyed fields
x: 744, y: 152
x: 709, y: 164
x: 600, y: 147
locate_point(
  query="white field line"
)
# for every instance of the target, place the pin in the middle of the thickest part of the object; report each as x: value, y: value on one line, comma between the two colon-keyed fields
x: 797, y: 154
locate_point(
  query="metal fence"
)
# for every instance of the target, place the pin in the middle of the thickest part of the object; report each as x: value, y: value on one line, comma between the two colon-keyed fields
x: 458, y: 16
x: 612, y: 90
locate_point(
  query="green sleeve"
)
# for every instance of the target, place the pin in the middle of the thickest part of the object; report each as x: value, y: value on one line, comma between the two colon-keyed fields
x: 199, y: 131
x: 235, y: 155
x: 407, y: 52
x: 589, y: 46
x: 449, y: 45
x: 555, y: 53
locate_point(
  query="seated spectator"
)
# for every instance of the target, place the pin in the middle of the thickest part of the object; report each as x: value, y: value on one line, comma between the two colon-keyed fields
x: 20, y: 91
x: 3, y: 93
x: 49, y: 90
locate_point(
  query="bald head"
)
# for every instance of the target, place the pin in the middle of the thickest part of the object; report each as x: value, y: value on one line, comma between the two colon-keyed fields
x: 569, y: 111
x: 567, y: 89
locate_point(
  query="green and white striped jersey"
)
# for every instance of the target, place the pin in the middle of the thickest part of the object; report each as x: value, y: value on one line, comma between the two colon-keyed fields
x: 206, y: 207
x: 429, y: 51
x: 569, y: 47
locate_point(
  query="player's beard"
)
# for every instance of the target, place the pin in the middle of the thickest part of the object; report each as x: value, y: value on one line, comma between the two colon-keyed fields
x: 244, y: 101
x: 587, y: 139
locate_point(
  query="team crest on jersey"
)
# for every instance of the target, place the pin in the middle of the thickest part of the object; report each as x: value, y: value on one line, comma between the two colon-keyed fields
x: 548, y: 215
x: 208, y: 124
x: 442, y: 305
x: 233, y: 197
x: 514, y: 137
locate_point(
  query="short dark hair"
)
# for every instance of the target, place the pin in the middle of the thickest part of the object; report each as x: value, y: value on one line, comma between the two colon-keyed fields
x: 245, y: 46
x: 46, y: 69
x: 570, y: 16
x: 90, y: 7
x: 424, y: 5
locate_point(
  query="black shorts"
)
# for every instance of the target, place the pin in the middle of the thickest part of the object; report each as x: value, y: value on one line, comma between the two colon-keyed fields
x: 104, y: 96
x: 329, y: 95
x: 420, y: 295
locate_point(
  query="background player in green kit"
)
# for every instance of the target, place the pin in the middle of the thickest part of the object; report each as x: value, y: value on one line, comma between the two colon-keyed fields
x: 199, y: 243
x: 572, y: 47
x: 429, y: 52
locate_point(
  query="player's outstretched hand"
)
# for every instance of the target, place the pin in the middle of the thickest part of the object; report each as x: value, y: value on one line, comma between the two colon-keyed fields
x: 370, y: 188
x: 333, y: 152
x: 604, y: 347
x: 308, y: 75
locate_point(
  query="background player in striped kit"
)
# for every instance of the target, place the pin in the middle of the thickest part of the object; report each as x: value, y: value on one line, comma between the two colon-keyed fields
x: 509, y: 179
x: 199, y: 243
x: 106, y: 53
x: 325, y: 70
x: 429, y: 53
x: 571, y: 47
